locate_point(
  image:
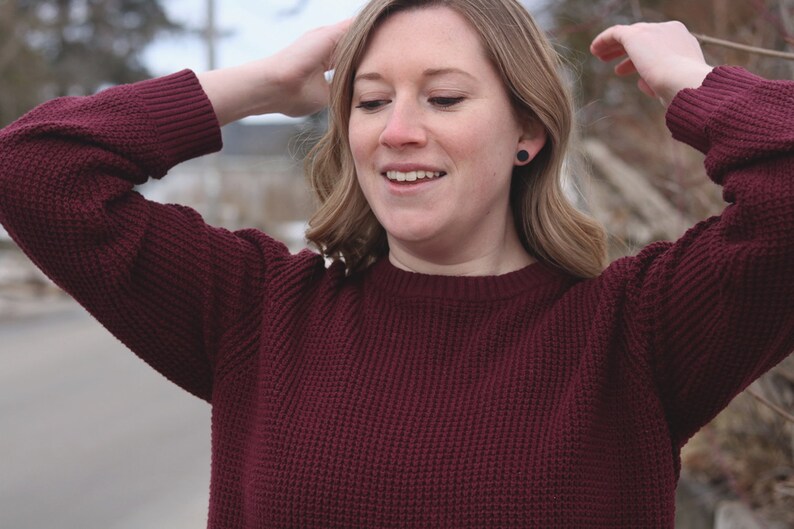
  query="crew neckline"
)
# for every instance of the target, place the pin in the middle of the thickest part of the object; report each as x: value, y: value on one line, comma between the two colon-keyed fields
x: 402, y: 283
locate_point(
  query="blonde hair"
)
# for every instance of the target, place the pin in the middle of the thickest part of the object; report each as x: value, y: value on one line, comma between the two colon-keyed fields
x: 549, y: 226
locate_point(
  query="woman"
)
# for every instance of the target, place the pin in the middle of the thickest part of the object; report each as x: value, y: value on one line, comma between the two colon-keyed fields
x: 464, y: 361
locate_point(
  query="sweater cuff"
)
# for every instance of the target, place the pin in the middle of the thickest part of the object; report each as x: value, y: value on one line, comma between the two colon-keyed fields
x: 183, y: 115
x: 689, y: 113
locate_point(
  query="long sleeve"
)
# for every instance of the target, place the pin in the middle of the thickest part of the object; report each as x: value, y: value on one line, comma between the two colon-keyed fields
x: 718, y: 305
x: 160, y: 279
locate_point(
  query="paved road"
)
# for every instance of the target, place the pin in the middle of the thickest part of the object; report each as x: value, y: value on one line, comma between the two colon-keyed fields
x: 90, y: 437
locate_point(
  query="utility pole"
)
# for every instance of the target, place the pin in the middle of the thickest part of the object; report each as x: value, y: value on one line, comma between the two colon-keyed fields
x: 212, y: 166
x: 211, y: 35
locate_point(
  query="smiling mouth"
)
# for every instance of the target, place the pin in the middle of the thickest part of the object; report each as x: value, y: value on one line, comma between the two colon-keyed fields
x: 413, y: 176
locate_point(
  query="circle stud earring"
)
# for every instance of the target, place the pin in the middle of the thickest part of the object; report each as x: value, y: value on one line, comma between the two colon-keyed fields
x: 523, y: 155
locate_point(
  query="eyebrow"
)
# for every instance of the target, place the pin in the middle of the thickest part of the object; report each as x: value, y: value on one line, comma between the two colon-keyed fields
x: 430, y: 72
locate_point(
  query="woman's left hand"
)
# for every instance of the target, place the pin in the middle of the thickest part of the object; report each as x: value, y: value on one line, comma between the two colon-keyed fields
x: 666, y: 56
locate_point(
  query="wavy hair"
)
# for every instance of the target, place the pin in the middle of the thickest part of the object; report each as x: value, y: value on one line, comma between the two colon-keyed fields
x: 550, y: 228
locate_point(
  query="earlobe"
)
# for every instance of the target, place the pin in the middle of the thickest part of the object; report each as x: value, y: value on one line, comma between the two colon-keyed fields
x: 528, y: 149
x: 530, y: 146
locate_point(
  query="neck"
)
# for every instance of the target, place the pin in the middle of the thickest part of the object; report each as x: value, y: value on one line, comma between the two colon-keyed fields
x: 497, y: 257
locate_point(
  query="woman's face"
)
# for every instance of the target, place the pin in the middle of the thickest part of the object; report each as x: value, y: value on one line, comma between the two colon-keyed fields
x: 433, y: 135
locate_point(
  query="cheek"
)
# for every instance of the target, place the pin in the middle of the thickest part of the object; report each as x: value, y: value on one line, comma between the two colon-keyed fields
x: 489, y: 157
x: 356, y: 149
x: 361, y: 155
x: 361, y: 141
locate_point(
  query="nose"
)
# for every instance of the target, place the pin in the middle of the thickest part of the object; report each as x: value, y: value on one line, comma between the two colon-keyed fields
x: 403, y: 127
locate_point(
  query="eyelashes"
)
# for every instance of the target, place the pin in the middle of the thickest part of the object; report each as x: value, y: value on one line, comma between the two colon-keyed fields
x: 439, y: 102
x: 445, y: 102
x: 372, y: 105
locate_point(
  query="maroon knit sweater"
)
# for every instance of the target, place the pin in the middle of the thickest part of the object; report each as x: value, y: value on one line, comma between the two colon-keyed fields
x: 394, y: 399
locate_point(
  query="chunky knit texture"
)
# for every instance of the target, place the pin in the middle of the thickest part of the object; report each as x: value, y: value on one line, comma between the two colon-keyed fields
x: 393, y: 399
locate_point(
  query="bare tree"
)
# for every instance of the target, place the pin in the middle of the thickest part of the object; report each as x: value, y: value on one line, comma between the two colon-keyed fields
x: 59, y: 47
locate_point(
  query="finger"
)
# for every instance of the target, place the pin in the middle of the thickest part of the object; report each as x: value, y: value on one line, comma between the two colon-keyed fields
x: 612, y: 54
x: 340, y: 30
x: 607, y: 45
x: 335, y: 32
x: 342, y: 26
x: 645, y: 88
x: 625, y: 67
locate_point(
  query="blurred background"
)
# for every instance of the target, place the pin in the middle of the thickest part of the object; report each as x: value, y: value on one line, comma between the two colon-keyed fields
x: 91, y: 437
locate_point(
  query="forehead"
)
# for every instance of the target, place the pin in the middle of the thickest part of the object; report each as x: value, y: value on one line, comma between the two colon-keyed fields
x: 438, y: 35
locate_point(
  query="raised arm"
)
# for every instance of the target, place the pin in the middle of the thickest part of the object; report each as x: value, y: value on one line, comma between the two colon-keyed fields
x: 717, y: 306
x: 174, y: 290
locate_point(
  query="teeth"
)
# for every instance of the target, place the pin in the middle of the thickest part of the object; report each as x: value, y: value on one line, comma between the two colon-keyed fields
x: 411, y: 176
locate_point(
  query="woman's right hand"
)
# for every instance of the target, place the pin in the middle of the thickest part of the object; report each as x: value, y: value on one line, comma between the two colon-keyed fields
x: 291, y: 81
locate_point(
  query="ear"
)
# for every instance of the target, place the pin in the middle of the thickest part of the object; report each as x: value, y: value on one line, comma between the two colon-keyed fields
x: 532, y: 141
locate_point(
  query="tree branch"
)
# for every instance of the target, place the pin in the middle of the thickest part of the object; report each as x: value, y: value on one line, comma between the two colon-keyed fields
x: 771, y: 405
x: 705, y: 39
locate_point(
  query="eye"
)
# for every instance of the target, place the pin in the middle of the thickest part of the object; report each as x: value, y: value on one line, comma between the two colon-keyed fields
x: 445, y: 102
x: 375, y: 104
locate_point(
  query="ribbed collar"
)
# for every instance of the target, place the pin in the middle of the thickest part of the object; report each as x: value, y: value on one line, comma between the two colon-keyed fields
x: 384, y: 276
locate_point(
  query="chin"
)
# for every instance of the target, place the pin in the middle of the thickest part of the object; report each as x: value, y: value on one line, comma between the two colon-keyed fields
x: 414, y: 233
x: 412, y: 236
